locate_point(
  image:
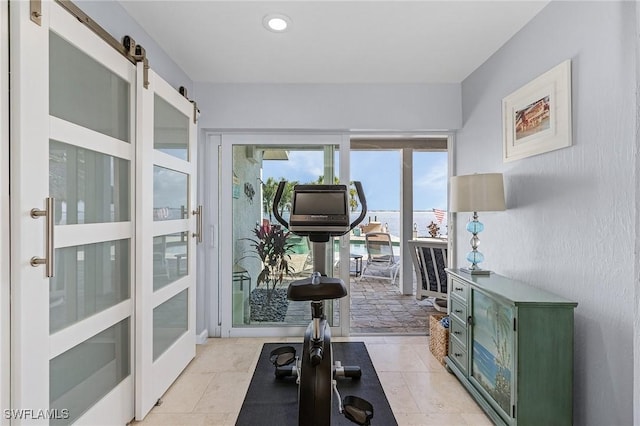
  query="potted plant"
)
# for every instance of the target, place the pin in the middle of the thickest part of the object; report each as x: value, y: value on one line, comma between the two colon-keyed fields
x: 271, y: 245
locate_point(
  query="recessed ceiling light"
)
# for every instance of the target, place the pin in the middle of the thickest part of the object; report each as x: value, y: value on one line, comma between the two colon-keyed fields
x: 277, y: 23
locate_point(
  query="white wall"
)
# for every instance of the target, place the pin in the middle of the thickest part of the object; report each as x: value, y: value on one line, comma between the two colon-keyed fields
x: 570, y: 226
x: 404, y: 107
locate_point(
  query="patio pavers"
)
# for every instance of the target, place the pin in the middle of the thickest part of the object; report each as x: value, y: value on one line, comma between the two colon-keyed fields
x: 377, y: 306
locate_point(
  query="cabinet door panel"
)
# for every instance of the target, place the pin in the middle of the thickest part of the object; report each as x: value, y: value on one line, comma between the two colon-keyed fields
x: 492, y: 341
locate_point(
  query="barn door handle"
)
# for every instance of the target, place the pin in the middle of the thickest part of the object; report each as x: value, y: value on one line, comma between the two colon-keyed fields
x: 198, y: 233
x: 48, y: 260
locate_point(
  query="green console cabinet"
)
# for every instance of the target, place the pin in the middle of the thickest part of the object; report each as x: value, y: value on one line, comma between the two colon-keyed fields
x: 511, y: 346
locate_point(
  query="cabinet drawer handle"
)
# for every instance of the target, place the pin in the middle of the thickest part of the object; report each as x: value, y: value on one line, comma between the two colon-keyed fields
x: 457, y: 355
x: 458, y: 288
x: 457, y: 311
x: 457, y: 332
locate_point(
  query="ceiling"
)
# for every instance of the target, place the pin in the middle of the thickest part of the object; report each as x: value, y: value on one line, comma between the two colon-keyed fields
x: 332, y: 41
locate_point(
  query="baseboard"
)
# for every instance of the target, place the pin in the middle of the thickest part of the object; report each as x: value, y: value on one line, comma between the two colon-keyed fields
x: 202, y: 337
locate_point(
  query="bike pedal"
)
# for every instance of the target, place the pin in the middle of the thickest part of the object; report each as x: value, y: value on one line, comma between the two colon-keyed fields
x: 357, y: 410
x: 284, y: 355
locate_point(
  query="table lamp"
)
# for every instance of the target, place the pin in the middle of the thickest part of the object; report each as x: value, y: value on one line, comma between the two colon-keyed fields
x: 476, y: 193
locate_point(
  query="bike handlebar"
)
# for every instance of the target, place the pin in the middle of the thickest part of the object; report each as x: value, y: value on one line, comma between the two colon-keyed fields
x: 363, y: 203
x: 276, y: 204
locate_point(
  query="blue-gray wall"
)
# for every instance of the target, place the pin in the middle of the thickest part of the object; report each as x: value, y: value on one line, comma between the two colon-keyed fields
x: 570, y: 224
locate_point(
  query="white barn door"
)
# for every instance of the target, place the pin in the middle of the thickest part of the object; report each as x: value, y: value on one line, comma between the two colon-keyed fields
x: 72, y: 212
x: 169, y: 226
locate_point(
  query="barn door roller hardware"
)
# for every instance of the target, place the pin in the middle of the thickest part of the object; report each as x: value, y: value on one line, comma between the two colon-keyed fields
x: 138, y: 54
x: 35, y: 10
x: 196, y: 111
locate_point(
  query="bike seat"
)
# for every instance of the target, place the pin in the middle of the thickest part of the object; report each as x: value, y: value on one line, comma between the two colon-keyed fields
x: 316, y: 288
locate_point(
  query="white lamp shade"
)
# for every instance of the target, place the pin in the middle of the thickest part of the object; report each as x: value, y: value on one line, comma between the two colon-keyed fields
x: 477, y: 193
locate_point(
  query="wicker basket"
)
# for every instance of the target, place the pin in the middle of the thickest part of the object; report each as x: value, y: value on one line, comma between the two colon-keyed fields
x: 438, y: 337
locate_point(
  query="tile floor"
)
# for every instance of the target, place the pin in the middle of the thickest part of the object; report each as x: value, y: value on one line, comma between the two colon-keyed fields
x: 420, y: 391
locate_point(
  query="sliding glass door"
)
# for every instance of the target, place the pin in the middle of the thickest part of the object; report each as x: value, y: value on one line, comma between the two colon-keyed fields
x: 407, y: 199
x: 263, y: 257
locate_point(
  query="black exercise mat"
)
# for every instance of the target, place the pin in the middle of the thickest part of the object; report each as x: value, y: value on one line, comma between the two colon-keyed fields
x: 270, y: 401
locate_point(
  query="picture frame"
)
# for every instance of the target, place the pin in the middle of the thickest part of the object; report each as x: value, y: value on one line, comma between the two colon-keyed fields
x: 537, y: 117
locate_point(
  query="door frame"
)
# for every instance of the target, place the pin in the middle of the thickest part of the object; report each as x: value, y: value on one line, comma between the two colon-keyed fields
x: 209, y: 300
x: 5, y: 328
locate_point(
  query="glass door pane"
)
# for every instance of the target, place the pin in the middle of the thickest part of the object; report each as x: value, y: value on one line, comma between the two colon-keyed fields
x: 170, y: 258
x: 170, y: 193
x: 84, y: 374
x: 88, y: 186
x: 430, y: 193
x: 258, y: 293
x: 90, y: 279
x: 170, y: 129
x: 73, y: 75
x: 382, y: 189
x: 169, y: 322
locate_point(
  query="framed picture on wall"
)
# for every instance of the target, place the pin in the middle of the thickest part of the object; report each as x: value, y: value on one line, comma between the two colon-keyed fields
x: 536, y: 118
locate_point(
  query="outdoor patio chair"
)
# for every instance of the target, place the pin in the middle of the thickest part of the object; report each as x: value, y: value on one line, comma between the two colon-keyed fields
x: 381, y: 262
x: 429, y: 260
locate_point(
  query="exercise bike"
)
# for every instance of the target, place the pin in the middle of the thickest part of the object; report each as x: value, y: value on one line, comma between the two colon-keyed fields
x: 319, y: 212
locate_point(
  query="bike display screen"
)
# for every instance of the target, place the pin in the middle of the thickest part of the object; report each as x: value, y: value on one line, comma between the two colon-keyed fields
x: 320, y: 208
x: 319, y: 203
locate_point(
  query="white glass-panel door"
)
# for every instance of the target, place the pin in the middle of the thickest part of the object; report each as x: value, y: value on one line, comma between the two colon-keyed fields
x: 73, y: 161
x: 167, y: 230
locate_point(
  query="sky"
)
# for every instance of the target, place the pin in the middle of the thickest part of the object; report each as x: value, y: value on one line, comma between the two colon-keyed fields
x: 379, y: 172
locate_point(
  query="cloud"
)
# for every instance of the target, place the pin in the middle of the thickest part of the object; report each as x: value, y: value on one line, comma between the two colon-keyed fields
x: 303, y: 166
x: 433, y: 178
